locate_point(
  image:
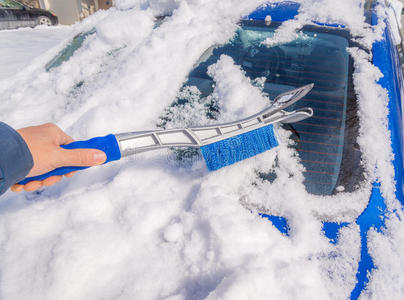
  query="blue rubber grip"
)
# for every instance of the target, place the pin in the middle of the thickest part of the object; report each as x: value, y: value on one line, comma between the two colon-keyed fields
x: 107, y: 143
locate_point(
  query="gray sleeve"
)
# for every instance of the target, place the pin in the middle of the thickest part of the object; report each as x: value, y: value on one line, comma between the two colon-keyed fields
x: 15, y: 157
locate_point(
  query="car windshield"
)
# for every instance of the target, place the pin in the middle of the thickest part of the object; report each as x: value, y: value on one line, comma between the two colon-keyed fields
x: 77, y: 42
x: 326, y: 142
x: 69, y: 50
x: 10, y: 4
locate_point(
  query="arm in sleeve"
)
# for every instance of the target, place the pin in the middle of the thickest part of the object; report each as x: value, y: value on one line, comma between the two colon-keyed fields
x: 15, y: 158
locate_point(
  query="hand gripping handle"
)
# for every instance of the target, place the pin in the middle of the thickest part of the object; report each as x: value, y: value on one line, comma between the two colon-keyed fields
x: 107, y: 143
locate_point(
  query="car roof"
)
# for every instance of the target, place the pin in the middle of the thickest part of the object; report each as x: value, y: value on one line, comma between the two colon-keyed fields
x: 287, y: 10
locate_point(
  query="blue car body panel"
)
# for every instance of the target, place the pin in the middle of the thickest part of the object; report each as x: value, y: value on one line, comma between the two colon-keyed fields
x: 279, y: 12
x: 385, y: 57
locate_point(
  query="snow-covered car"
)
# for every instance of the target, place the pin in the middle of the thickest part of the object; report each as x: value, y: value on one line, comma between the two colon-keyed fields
x: 327, y: 143
x: 162, y: 226
x: 14, y: 14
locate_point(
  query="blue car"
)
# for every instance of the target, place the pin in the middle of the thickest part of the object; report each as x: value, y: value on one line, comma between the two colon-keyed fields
x: 327, y: 142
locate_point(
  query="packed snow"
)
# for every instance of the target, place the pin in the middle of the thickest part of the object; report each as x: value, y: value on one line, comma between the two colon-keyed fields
x: 20, y: 47
x: 153, y: 227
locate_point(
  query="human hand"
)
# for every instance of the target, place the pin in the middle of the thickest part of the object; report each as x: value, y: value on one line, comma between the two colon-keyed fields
x: 44, y: 143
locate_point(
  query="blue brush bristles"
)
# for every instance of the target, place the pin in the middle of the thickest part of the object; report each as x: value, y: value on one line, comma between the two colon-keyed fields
x: 240, y: 147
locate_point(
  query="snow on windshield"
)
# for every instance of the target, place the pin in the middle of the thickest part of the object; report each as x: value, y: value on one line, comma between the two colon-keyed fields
x: 154, y: 227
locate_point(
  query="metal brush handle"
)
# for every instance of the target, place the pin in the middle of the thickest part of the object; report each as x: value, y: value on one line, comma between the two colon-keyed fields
x: 136, y: 142
x: 124, y: 144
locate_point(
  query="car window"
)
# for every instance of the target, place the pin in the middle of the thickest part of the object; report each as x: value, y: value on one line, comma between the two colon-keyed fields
x: 76, y: 43
x: 326, y: 142
x: 10, y: 4
x: 68, y: 51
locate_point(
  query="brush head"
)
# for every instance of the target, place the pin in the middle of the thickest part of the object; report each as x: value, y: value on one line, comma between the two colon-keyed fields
x: 229, y: 151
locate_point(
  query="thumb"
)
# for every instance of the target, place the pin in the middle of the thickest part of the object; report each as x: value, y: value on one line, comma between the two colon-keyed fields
x: 81, y: 157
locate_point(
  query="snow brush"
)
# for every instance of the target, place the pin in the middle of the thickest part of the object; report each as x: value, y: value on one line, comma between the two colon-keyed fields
x: 221, y: 144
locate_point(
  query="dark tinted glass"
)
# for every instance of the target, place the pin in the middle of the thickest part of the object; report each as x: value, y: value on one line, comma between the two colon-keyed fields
x: 69, y: 50
x: 314, y: 57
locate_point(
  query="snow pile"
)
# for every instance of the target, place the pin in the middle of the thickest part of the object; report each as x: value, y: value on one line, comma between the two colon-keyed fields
x: 236, y: 96
x: 149, y: 227
x: 387, y: 280
x: 374, y: 110
x: 18, y: 48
